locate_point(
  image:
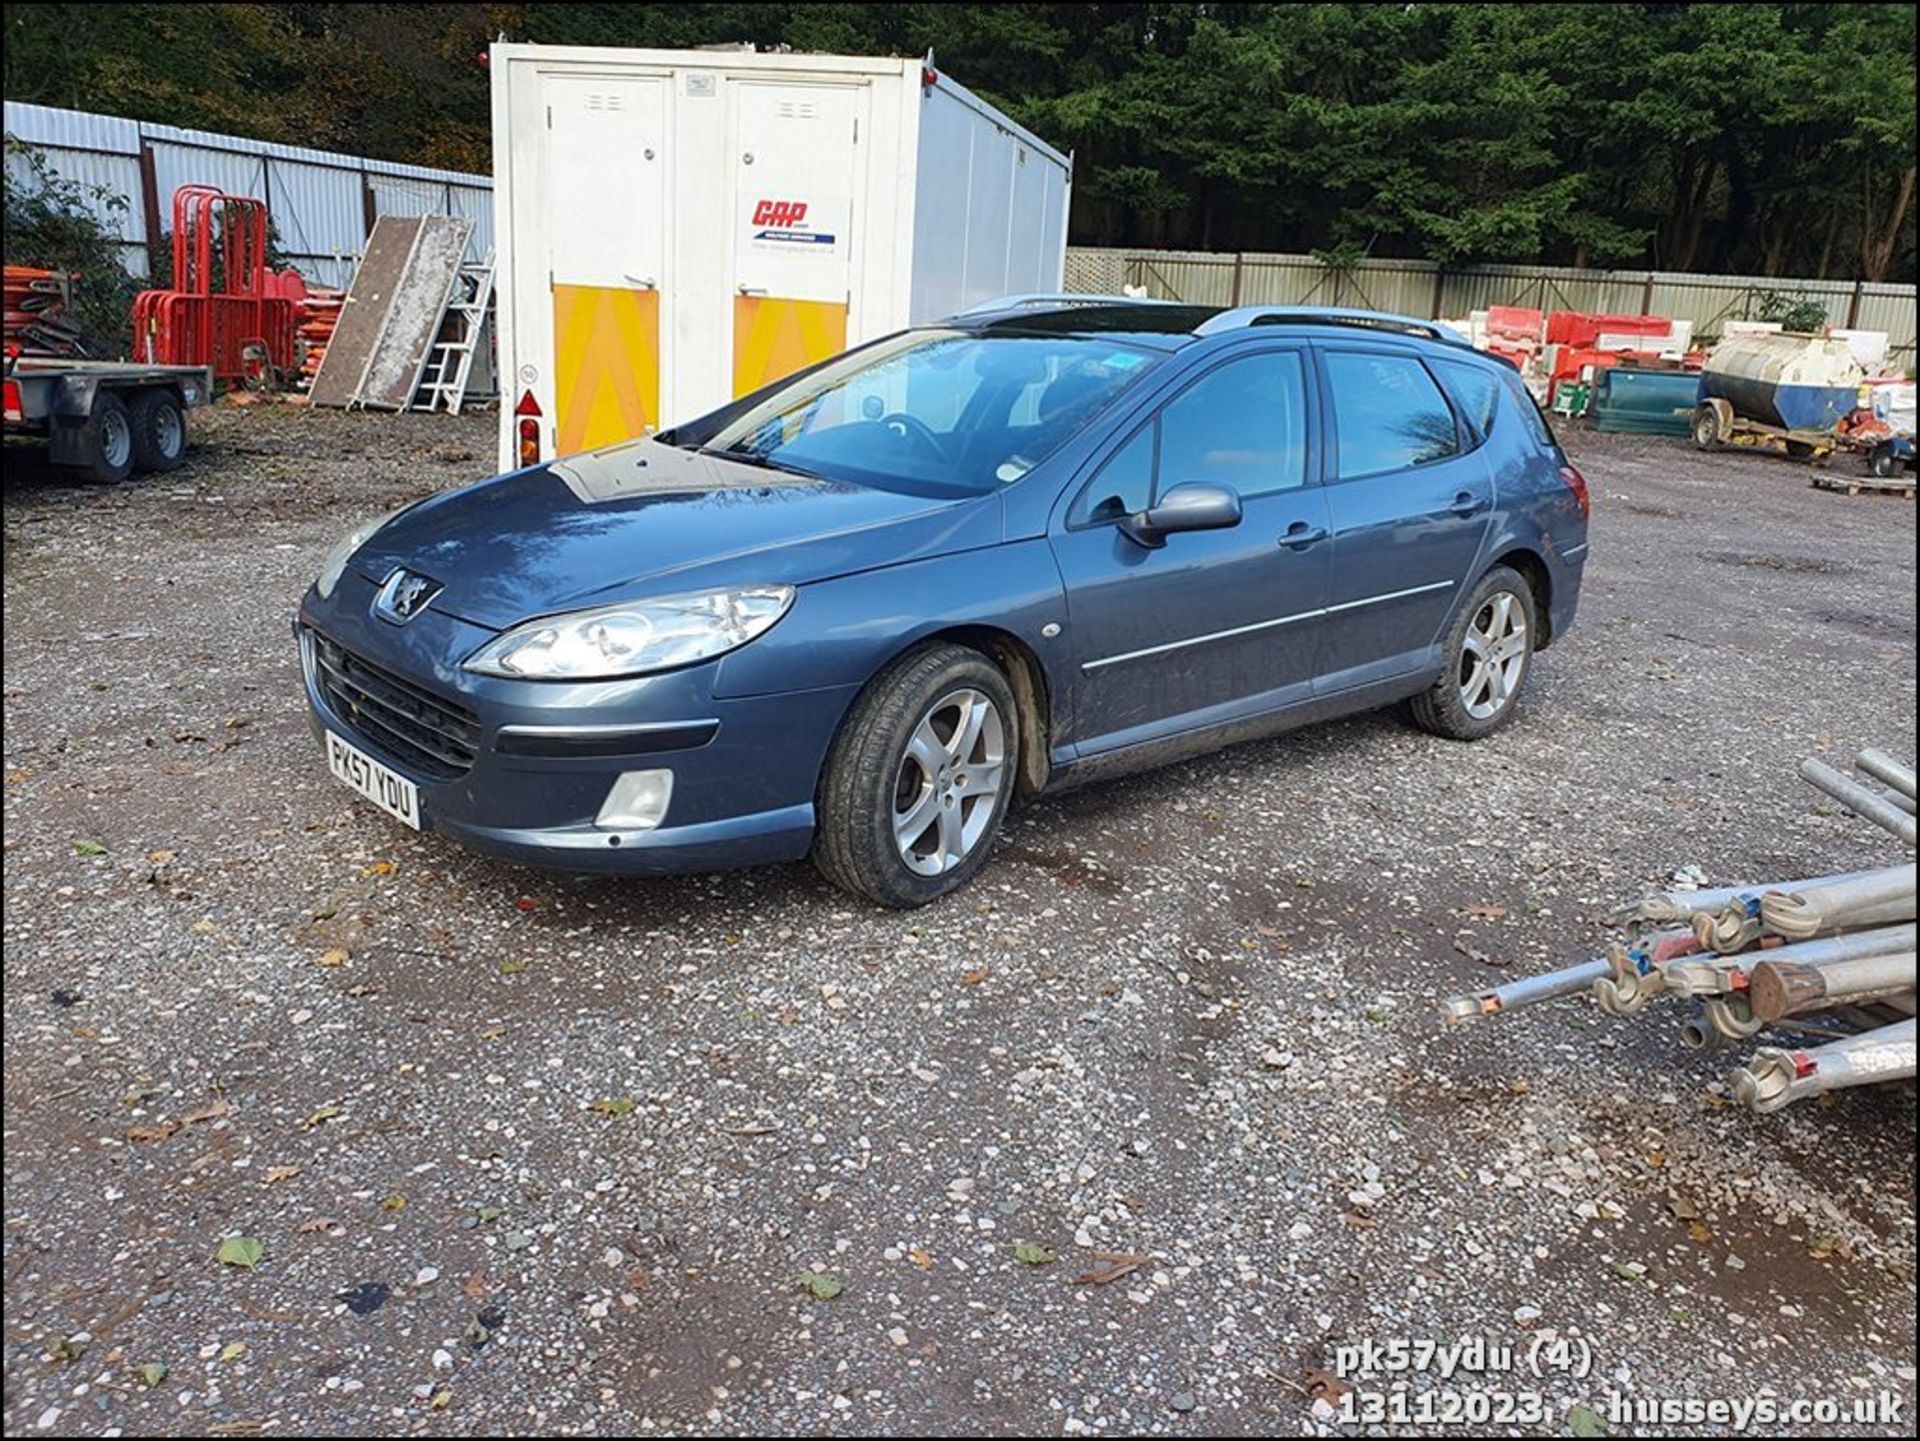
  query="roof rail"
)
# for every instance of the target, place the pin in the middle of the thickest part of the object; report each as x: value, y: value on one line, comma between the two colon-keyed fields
x: 1047, y: 301
x: 1246, y: 315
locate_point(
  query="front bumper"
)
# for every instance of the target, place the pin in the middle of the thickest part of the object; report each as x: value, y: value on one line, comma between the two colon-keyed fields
x: 744, y: 768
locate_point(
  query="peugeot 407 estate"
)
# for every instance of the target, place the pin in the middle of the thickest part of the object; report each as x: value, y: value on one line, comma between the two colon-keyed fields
x: 859, y: 613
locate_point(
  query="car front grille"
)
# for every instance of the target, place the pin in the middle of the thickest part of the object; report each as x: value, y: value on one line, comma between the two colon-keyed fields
x: 432, y: 736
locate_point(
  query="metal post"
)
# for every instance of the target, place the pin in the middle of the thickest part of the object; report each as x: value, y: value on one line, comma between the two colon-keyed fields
x: 1776, y: 1078
x: 1885, y: 769
x: 1239, y: 265
x: 1779, y: 989
x: 1853, y: 303
x: 1858, y: 799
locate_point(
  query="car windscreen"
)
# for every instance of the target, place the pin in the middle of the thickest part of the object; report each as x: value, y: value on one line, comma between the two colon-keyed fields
x: 943, y: 412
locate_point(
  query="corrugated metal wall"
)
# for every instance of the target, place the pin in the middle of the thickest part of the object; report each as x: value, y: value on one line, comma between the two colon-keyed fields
x: 1413, y: 287
x: 319, y: 200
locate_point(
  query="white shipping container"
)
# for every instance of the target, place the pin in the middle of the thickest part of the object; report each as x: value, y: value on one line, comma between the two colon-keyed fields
x: 676, y: 228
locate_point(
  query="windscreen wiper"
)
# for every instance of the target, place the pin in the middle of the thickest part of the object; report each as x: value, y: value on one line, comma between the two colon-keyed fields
x: 752, y: 457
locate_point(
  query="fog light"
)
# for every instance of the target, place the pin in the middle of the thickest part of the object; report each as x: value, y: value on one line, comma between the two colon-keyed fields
x: 637, y: 802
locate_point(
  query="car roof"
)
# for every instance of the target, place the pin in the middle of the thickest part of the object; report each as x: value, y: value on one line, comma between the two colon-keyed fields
x: 1175, y: 323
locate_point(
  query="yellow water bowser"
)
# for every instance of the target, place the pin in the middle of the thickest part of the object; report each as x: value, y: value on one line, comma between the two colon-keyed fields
x: 675, y: 228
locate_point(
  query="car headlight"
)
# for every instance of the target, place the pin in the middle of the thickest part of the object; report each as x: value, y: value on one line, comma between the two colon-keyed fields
x: 335, y: 564
x: 633, y: 639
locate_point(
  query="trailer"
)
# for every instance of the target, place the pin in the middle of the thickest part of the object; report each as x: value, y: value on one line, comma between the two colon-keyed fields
x: 677, y: 228
x: 1784, y: 391
x: 109, y: 418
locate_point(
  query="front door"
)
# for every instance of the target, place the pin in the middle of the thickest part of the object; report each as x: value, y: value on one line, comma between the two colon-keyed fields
x: 1214, y: 625
x: 1410, y: 506
x: 798, y: 164
x: 606, y: 220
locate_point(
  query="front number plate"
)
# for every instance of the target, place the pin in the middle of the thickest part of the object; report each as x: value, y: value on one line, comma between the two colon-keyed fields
x: 392, y: 792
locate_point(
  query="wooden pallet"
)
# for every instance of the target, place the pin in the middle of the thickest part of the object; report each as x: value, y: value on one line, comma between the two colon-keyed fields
x: 1900, y: 485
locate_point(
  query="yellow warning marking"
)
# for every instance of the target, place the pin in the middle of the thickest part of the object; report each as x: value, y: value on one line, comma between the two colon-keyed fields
x: 606, y: 364
x: 773, y: 337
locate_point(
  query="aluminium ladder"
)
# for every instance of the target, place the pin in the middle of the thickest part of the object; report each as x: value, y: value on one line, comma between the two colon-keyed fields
x: 449, y: 367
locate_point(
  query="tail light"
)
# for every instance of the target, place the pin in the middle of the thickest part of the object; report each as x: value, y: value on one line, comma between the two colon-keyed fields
x: 1577, y: 483
x: 529, y: 428
x: 15, y: 410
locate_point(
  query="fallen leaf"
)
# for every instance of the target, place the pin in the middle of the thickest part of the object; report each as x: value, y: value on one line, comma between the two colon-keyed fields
x: 233, y: 1350
x: 922, y: 1259
x: 157, y: 1132
x: 1487, y: 912
x: 378, y: 868
x: 475, y: 1286
x: 318, y: 1224
x: 1113, y: 1266
x: 153, y: 1373
x: 241, y: 1251
x: 88, y: 848
x: 974, y: 978
x: 395, y: 1202
x: 320, y: 1117
x: 159, y: 858
x: 488, y: 1214
x: 1585, y: 1421
x: 527, y: 903
x: 1033, y: 1253
x: 281, y: 1173
x: 1320, y: 1384
x: 1699, y: 1233
x: 821, y: 1285
x: 212, y: 1111
x: 66, y: 1349
x: 512, y: 968
x: 442, y: 1399
x: 612, y: 1106
x: 332, y: 958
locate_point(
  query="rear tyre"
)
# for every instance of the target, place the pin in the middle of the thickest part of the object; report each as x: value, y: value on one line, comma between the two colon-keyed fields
x: 1489, y: 651
x: 918, y: 780
x: 1884, y: 460
x: 1706, y: 427
x: 106, y: 440
x: 159, y: 431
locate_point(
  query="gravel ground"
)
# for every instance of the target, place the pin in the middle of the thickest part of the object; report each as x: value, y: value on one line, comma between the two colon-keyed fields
x: 528, y: 1153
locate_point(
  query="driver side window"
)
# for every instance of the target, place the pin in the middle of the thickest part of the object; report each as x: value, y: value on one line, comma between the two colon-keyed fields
x: 1242, y: 424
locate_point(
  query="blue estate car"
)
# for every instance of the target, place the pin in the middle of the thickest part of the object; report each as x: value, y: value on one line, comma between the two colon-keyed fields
x: 856, y: 614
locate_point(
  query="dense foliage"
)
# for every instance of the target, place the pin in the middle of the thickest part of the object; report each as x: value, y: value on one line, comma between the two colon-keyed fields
x: 52, y: 223
x: 1776, y: 139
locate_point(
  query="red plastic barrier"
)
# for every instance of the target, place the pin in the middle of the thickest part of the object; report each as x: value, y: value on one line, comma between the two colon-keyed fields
x: 226, y: 310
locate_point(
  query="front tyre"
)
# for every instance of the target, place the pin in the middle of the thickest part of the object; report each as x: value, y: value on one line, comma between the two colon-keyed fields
x: 1489, y: 650
x: 918, y: 779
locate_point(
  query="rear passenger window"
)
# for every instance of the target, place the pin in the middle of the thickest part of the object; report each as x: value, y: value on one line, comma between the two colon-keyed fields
x: 1389, y: 412
x: 1243, y: 425
x: 1477, y: 392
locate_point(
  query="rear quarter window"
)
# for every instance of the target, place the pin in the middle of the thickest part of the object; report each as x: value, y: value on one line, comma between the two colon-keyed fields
x: 1477, y: 390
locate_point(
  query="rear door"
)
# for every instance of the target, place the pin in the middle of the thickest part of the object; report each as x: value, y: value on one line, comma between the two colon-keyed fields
x: 799, y: 158
x: 1410, y: 497
x: 605, y: 226
x: 1214, y: 625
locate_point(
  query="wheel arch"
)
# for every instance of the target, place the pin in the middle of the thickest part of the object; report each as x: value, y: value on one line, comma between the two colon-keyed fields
x: 1533, y: 569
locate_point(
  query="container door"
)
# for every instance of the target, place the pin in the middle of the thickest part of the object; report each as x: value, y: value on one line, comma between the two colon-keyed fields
x: 606, y: 226
x: 797, y: 167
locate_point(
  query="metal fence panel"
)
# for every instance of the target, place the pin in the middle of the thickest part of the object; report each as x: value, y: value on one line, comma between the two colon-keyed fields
x: 1413, y: 287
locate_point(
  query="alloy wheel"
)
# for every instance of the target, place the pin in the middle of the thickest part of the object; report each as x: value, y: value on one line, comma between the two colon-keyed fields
x: 1493, y: 656
x: 949, y: 781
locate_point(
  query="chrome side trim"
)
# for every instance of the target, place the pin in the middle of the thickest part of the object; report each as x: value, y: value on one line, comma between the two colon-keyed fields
x: 1263, y: 625
x: 1390, y: 595
x: 1574, y: 550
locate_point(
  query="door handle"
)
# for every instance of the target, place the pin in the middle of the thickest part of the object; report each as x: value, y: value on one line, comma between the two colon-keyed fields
x: 645, y: 282
x: 1302, y: 534
x: 751, y: 289
x: 1467, y: 503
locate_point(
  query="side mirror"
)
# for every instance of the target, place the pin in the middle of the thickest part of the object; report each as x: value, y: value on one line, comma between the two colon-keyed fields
x: 1191, y: 506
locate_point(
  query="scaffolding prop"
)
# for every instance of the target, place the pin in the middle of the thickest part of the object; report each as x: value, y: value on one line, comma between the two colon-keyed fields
x: 1830, y: 958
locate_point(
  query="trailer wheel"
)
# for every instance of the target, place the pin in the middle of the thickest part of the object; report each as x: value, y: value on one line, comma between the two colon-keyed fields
x: 1884, y: 461
x: 106, y: 440
x: 1706, y: 427
x: 159, y: 430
